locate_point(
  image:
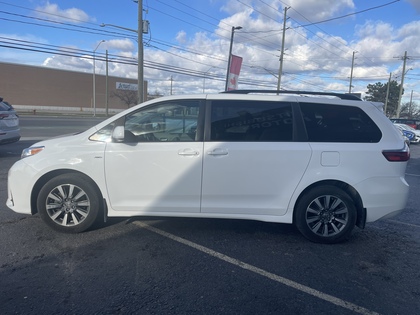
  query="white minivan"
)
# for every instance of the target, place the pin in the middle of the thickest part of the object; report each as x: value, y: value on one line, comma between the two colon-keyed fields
x: 325, y: 162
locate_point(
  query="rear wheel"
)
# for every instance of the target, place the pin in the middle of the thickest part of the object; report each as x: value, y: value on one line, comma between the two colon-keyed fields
x: 69, y: 203
x: 326, y: 214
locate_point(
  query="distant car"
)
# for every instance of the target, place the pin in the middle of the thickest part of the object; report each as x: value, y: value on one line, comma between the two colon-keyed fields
x: 408, y: 131
x: 414, y: 123
x: 9, y: 124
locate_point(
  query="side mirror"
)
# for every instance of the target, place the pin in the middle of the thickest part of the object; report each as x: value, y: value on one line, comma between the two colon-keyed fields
x: 118, y: 134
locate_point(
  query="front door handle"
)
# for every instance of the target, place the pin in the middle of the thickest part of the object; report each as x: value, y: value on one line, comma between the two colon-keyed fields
x: 218, y: 152
x: 188, y: 152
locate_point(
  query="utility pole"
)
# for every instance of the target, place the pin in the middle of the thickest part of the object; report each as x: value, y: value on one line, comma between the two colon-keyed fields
x: 387, y: 93
x: 94, y: 83
x: 140, y: 93
x: 401, y: 86
x: 411, y: 103
x: 282, y: 48
x: 106, y: 85
x: 351, y: 72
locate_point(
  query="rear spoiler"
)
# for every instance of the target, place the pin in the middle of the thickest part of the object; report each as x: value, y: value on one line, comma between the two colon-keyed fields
x: 378, y: 105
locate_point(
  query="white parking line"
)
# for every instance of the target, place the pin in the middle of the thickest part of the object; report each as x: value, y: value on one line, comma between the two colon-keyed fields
x: 34, y: 138
x: 269, y: 275
x: 404, y: 223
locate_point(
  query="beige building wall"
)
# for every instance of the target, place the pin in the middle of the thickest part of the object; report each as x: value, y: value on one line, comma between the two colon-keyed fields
x: 41, y: 86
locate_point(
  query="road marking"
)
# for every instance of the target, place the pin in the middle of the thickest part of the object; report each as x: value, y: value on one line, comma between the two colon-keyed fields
x: 269, y: 275
x: 412, y: 174
x: 34, y: 138
x: 404, y: 223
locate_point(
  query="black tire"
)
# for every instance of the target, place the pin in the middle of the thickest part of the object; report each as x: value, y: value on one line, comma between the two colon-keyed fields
x: 69, y: 203
x: 326, y: 214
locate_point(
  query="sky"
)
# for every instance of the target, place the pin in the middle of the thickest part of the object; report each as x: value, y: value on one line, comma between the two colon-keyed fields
x: 187, y: 45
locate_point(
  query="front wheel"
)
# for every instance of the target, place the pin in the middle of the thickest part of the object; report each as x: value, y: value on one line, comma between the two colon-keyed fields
x: 69, y: 203
x: 326, y: 214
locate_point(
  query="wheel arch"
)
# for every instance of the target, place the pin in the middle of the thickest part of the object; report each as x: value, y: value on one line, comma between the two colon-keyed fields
x: 48, y: 176
x: 350, y: 190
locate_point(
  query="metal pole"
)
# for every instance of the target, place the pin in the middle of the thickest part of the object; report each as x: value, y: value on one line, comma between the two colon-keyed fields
x: 204, y: 79
x: 351, y: 72
x: 106, y: 85
x: 411, y: 104
x: 230, y: 55
x: 94, y: 83
x: 282, y: 49
x: 387, y: 94
x: 401, y: 86
x: 140, y: 79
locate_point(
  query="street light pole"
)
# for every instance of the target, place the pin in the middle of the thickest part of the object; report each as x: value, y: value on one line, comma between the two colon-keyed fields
x: 230, y: 54
x: 94, y: 83
x: 351, y: 72
x: 204, y: 79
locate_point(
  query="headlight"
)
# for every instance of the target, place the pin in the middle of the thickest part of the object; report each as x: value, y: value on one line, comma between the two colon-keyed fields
x: 31, y: 151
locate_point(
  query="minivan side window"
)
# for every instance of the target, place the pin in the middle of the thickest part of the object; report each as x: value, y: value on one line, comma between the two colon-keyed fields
x: 164, y: 122
x: 251, y: 121
x: 336, y: 123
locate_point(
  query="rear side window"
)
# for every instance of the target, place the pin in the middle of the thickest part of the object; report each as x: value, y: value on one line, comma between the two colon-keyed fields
x: 333, y: 123
x: 251, y: 121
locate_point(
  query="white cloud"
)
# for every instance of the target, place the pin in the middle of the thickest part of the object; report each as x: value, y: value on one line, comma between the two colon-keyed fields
x: 123, y: 45
x: 181, y: 37
x: 53, y: 12
x: 318, y: 10
x: 312, y: 61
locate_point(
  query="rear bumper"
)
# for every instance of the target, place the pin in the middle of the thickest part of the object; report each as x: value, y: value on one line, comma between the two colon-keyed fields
x: 383, y: 197
x: 9, y: 136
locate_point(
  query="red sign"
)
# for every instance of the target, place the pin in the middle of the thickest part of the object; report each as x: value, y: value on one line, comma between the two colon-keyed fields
x: 235, y: 69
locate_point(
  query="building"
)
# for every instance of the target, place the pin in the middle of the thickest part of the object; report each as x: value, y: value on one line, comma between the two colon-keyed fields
x: 32, y: 88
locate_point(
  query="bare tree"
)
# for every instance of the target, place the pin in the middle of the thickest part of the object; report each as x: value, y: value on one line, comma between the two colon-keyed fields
x: 410, y: 110
x: 129, y: 97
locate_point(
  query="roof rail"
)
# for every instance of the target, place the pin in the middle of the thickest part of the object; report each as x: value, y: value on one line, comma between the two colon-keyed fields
x: 343, y: 96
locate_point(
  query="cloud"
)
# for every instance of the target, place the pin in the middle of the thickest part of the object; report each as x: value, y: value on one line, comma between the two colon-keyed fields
x: 181, y: 37
x: 53, y: 12
x: 313, y: 60
x: 318, y: 10
x: 122, y: 45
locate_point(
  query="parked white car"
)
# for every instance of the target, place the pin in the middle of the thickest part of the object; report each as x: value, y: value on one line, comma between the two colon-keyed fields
x: 324, y: 163
x: 409, y: 128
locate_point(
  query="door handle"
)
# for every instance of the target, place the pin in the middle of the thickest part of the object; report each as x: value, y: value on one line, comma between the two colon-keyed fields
x: 188, y: 152
x: 218, y: 152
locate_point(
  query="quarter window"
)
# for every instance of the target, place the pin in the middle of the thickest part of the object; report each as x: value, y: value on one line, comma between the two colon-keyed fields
x: 251, y: 121
x: 336, y: 123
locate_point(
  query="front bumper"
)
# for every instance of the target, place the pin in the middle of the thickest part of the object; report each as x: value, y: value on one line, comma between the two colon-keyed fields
x: 20, y: 181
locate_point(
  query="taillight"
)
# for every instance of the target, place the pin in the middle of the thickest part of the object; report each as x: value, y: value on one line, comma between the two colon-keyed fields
x: 397, y: 155
x: 3, y: 116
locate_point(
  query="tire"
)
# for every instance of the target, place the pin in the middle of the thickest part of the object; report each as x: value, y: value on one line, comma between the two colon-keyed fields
x: 326, y: 214
x: 69, y: 203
